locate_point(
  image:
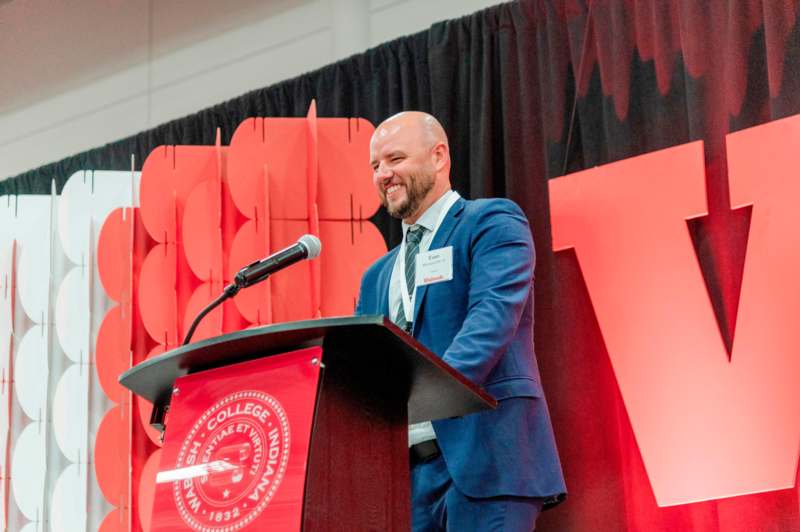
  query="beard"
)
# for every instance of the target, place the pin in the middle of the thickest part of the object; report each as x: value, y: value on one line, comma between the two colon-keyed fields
x: 417, y: 188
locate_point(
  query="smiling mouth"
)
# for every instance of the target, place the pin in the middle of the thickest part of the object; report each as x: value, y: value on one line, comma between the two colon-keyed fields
x: 392, y: 189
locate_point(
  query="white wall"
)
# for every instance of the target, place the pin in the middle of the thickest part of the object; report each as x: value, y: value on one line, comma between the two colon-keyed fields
x: 78, y: 74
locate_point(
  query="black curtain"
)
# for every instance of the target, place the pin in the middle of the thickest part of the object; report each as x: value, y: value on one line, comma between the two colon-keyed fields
x: 527, y: 91
x: 487, y: 77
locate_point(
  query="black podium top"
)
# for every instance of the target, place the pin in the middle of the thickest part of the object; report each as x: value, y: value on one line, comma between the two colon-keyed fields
x: 436, y: 390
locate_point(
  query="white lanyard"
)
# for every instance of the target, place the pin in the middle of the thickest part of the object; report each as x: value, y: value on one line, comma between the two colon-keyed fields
x: 408, y: 301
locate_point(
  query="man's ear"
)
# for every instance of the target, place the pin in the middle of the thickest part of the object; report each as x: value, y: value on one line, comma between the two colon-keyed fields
x: 440, y: 154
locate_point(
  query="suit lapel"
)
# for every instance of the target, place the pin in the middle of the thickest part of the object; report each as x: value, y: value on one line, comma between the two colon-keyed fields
x: 440, y: 240
x: 383, y: 284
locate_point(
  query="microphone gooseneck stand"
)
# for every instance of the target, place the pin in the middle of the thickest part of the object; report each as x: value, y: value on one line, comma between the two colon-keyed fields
x: 306, y: 247
x: 229, y: 291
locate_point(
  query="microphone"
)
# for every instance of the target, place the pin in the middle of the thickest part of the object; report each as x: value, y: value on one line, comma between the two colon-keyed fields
x: 306, y: 247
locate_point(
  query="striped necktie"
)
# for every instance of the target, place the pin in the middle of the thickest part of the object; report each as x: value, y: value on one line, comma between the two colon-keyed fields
x: 413, y: 238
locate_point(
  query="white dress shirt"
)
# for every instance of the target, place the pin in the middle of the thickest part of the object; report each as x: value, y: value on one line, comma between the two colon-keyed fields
x: 418, y: 432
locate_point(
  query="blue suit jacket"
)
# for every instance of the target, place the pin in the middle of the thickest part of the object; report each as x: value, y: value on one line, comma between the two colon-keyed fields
x: 481, y: 323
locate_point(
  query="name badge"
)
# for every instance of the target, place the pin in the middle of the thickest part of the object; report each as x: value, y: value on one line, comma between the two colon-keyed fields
x: 434, y: 266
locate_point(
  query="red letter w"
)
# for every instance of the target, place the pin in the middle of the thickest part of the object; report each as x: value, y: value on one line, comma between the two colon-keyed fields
x: 707, y: 427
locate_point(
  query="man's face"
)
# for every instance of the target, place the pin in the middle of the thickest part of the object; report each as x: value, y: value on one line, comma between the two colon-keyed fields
x: 403, y: 172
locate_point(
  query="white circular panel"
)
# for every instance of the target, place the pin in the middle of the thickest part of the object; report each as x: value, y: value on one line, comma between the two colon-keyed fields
x: 30, y: 372
x: 74, y: 214
x: 72, y: 315
x: 33, y: 254
x: 6, y: 270
x: 68, y: 503
x: 6, y: 300
x: 28, y: 471
x: 71, y: 412
x: 33, y: 277
x: 6, y: 326
x: 6, y: 293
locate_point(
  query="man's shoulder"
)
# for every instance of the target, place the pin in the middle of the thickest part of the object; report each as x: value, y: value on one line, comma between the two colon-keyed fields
x: 499, y: 219
x: 481, y: 208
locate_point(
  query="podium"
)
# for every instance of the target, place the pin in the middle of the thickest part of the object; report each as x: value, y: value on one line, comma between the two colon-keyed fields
x: 295, y: 426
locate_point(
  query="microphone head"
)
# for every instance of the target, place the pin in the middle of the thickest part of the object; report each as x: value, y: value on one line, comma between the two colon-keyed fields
x: 312, y: 244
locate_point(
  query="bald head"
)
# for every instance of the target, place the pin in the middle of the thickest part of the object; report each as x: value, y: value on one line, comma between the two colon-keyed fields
x: 410, y: 159
x: 426, y: 128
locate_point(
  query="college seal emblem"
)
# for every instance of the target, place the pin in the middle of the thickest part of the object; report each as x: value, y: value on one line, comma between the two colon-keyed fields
x: 236, y: 453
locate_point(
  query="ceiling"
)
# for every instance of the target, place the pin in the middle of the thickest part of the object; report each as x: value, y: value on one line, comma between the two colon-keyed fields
x: 51, y: 46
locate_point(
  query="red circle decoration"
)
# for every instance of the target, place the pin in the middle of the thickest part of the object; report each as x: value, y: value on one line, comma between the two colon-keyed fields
x: 168, y: 175
x: 248, y: 245
x: 246, y: 167
x: 158, y: 304
x: 112, y: 352
x: 115, y: 521
x: 211, y: 325
x: 202, y: 238
x: 343, y: 277
x: 146, y: 493
x: 114, y: 253
x: 111, y: 455
x: 268, y: 168
x: 145, y: 409
x: 345, y: 188
x: 156, y: 192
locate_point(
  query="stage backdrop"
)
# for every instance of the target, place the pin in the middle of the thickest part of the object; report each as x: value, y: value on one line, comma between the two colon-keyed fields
x: 532, y: 90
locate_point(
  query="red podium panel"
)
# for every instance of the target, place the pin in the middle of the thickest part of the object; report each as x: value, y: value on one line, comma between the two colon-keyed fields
x: 239, y: 448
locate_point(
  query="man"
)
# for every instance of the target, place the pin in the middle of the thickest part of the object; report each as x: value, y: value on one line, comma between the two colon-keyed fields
x: 461, y: 283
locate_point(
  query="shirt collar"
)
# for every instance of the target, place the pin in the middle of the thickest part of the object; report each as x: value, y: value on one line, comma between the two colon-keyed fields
x: 430, y: 216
